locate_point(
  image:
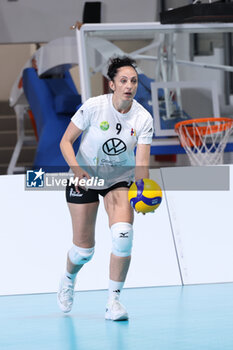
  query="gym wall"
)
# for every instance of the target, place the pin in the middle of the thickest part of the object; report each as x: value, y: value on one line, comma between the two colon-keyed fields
x: 41, y: 21
x: 22, y: 21
x: 187, y: 240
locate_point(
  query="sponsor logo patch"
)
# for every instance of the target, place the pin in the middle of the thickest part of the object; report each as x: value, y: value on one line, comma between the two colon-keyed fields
x: 104, y: 126
x: 133, y: 132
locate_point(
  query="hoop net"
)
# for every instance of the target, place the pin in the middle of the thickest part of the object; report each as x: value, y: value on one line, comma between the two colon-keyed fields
x: 204, y: 140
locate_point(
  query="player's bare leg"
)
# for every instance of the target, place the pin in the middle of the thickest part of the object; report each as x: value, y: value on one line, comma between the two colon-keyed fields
x: 120, y: 216
x: 83, y: 221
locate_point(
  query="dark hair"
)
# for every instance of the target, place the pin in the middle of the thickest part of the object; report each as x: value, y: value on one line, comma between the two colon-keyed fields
x: 118, y: 62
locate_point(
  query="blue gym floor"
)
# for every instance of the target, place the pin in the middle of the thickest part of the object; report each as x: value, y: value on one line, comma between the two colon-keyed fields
x: 161, y: 318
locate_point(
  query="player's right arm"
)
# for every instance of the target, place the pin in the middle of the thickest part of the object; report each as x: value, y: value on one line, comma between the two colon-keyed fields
x: 66, y: 145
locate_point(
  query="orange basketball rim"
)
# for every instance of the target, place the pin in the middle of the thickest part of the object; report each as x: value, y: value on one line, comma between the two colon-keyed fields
x: 193, y: 131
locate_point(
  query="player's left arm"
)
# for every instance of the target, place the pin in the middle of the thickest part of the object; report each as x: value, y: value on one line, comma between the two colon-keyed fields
x: 142, y: 162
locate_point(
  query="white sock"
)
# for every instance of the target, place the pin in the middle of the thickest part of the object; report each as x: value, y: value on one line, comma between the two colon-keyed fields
x: 114, y: 289
x: 70, y: 276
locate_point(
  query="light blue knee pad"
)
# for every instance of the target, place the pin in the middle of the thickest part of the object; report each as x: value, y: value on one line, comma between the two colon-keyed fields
x: 122, y: 239
x: 80, y: 256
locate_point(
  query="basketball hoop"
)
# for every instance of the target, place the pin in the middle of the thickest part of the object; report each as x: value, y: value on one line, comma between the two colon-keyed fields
x: 204, y: 139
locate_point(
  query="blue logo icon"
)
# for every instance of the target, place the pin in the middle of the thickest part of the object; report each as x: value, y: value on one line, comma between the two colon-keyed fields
x: 35, y: 178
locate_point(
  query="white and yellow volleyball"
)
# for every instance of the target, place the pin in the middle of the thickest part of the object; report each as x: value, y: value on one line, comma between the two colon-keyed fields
x: 145, y: 195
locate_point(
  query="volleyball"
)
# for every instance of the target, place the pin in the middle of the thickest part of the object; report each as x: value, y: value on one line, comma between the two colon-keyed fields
x: 145, y: 195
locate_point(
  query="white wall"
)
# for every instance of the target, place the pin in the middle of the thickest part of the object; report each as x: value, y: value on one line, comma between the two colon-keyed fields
x: 31, y: 21
x: 36, y: 234
x: 202, y: 221
x: 42, y: 21
x: 129, y: 11
x: 28, y: 21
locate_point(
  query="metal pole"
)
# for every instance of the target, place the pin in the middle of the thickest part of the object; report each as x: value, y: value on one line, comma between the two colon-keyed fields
x: 227, y: 41
x: 227, y: 58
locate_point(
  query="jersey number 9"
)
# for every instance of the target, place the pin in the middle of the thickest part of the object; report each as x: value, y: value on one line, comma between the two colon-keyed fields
x: 118, y: 127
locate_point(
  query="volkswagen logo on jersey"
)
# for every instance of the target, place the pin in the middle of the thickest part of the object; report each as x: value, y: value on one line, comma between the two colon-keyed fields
x: 113, y: 147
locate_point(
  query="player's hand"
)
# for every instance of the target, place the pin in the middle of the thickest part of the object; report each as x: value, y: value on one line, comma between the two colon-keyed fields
x: 81, y: 174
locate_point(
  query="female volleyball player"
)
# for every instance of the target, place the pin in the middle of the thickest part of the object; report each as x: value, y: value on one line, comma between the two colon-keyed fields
x: 112, y: 125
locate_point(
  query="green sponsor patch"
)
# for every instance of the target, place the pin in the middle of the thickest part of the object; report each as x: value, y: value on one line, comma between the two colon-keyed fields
x: 104, y: 126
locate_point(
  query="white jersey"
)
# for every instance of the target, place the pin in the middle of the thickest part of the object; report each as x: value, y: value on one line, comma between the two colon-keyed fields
x: 109, y: 138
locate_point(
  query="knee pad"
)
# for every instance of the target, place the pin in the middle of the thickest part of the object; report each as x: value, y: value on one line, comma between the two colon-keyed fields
x: 80, y: 256
x: 122, y: 239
